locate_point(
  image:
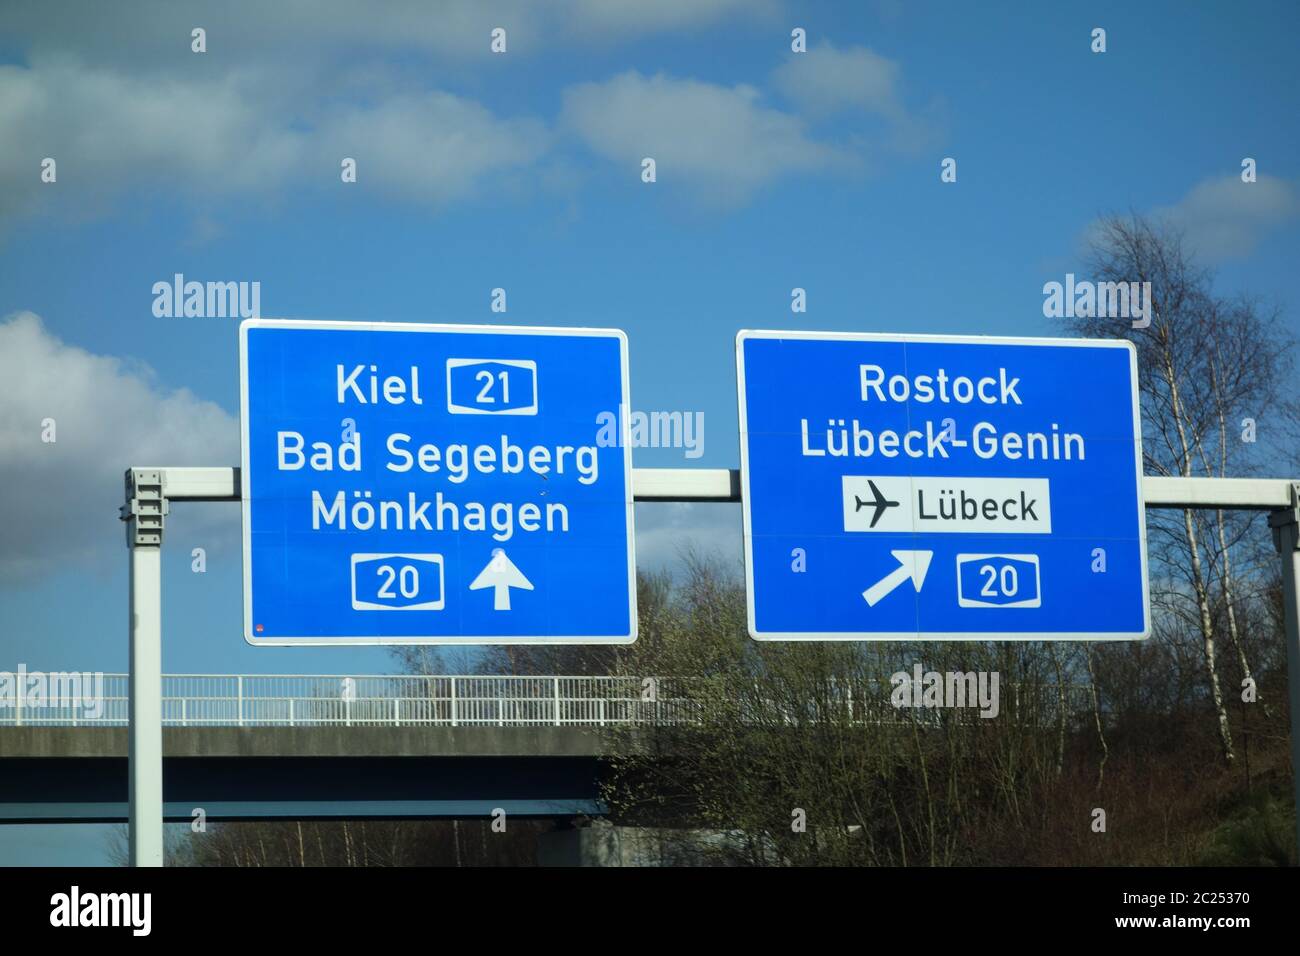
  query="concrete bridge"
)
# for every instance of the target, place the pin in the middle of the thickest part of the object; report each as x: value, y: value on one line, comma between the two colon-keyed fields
x: 304, y: 746
x: 257, y: 747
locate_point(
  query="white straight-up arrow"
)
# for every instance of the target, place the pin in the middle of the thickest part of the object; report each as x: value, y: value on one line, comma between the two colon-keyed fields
x: 502, y: 575
x: 911, y: 564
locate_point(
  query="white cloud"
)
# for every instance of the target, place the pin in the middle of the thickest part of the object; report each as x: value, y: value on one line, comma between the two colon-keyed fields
x: 667, y: 531
x: 287, y: 89
x: 629, y: 17
x: 60, y: 506
x: 121, y: 103
x: 719, y: 139
x: 1226, y: 218
x: 105, y: 128
x: 433, y: 147
x: 862, y: 85
x: 827, y: 80
x: 158, y: 31
x: 109, y: 131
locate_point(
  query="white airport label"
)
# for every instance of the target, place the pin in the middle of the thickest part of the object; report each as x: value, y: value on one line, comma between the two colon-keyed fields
x: 947, y: 505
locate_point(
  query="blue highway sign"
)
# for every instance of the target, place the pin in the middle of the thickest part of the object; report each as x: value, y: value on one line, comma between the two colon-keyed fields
x: 409, y: 484
x: 901, y: 487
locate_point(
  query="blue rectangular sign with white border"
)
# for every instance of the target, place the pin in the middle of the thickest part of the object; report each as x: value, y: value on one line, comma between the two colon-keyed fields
x: 903, y: 487
x: 435, y: 484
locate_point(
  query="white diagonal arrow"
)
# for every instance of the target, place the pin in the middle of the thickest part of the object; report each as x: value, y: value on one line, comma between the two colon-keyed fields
x: 502, y: 575
x: 911, y: 564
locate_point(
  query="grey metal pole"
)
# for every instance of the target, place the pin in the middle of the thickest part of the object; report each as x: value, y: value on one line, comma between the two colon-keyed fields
x: 144, y: 511
x: 145, y: 743
x: 1286, y: 535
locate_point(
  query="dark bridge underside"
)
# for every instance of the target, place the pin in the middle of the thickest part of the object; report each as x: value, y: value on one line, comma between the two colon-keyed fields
x: 94, y: 789
x: 80, y: 774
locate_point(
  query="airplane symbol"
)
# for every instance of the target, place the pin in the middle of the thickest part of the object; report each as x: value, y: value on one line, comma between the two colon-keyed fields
x: 881, y: 503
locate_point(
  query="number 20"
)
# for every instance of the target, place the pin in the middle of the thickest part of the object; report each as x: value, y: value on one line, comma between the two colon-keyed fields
x: 1009, y: 580
x: 408, y: 584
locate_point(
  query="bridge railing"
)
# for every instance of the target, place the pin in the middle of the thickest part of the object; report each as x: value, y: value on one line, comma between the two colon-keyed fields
x: 281, y: 700
x: 300, y: 700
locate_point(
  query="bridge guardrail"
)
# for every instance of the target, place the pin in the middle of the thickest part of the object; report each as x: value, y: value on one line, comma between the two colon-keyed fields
x: 293, y: 700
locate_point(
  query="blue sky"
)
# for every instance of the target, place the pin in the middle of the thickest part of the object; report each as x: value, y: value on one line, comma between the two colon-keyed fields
x: 521, y: 170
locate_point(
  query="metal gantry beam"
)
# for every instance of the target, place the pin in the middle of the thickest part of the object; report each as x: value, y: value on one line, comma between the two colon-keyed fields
x: 723, y: 484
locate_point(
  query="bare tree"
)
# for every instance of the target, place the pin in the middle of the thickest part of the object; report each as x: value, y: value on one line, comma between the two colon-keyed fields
x: 1205, y: 363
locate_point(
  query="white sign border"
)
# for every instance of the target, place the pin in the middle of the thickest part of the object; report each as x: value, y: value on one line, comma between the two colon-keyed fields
x: 351, y: 640
x: 904, y: 338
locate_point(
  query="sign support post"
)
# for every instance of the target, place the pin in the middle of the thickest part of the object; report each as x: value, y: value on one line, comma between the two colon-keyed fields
x: 144, y: 512
x: 148, y: 492
x: 1285, y: 523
